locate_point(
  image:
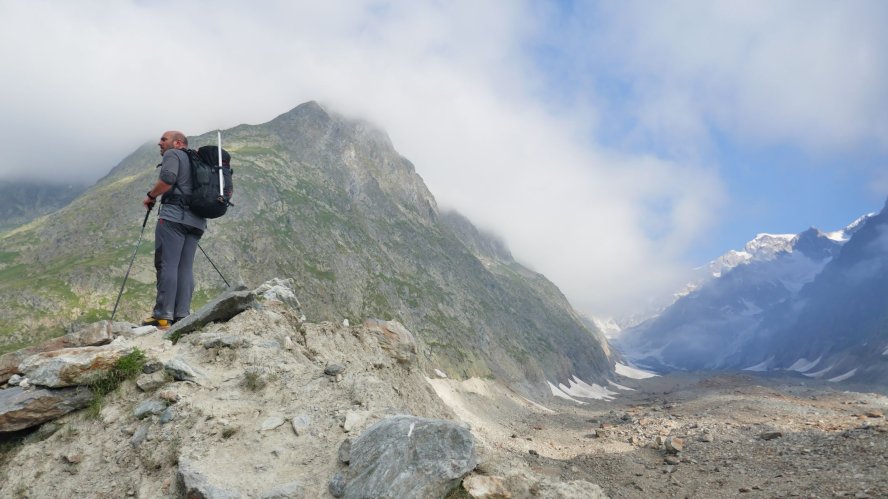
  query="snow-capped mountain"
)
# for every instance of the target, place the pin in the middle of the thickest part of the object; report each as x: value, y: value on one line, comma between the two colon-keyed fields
x: 719, y: 322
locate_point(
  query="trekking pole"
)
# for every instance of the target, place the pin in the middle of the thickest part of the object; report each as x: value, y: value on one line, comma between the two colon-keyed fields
x: 213, y: 264
x: 144, y: 223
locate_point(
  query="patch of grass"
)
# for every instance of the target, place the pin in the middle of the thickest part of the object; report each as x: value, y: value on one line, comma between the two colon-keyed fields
x: 127, y: 367
x: 254, y: 380
x: 458, y: 493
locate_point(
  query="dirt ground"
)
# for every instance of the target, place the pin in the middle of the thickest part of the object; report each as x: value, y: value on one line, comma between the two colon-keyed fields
x: 743, y: 436
x: 731, y: 435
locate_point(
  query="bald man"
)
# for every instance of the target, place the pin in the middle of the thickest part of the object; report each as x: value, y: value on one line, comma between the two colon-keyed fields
x: 176, y: 235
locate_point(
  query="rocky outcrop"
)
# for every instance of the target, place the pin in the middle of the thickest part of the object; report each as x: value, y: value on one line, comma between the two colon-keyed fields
x: 407, y: 457
x: 223, y: 308
x: 69, y: 366
x: 98, y: 333
x: 394, y: 338
x: 21, y: 408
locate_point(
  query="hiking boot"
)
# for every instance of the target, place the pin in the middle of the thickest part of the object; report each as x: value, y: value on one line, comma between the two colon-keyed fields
x: 158, y: 323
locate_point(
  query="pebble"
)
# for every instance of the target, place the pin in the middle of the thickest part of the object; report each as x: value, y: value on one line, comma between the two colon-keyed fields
x: 14, y: 380
x: 770, y: 435
x: 272, y: 423
x: 334, y: 369
x: 674, y: 444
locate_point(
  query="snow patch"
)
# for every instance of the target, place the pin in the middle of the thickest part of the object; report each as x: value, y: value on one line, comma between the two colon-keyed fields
x: 440, y: 373
x: 803, y: 365
x: 819, y: 373
x: 843, y: 377
x: 537, y: 405
x: 620, y: 387
x: 579, y: 388
x: 558, y: 393
x: 633, y: 372
x: 760, y: 367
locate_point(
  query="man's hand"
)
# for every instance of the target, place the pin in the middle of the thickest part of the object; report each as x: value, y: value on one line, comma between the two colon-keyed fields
x: 148, y: 202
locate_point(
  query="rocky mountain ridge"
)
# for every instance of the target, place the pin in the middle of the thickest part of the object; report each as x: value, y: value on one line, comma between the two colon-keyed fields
x: 754, y: 310
x: 251, y: 401
x: 327, y: 201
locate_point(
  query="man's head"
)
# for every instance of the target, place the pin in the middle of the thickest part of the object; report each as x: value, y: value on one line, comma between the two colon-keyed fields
x: 172, y: 140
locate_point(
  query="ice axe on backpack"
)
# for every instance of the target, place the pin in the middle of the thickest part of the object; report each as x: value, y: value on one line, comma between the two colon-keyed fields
x: 136, y: 249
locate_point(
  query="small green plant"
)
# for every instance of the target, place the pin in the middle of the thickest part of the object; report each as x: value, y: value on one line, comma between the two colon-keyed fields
x: 127, y: 367
x: 228, y: 432
x: 254, y: 380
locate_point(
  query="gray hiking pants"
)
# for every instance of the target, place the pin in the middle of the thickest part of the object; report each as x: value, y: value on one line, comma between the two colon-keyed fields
x: 174, y: 248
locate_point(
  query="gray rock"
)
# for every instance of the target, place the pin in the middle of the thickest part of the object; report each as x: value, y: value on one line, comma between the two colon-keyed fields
x: 140, y: 435
x: 344, y: 450
x: 181, y: 370
x: 167, y: 415
x: 149, y: 407
x: 353, y: 420
x: 95, y: 334
x: 152, y: 367
x: 14, y: 380
x: 337, y: 485
x: 194, y: 484
x: 770, y: 435
x: 409, y: 457
x: 271, y: 423
x: 334, y: 369
x: 292, y: 490
x: 20, y: 408
x: 221, y: 309
x: 301, y: 424
x: 279, y: 290
x: 151, y: 382
x: 70, y: 366
x: 217, y: 340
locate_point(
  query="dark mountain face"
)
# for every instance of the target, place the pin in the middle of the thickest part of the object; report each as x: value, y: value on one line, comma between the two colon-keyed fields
x: 820, y: 309
x: 23, y: 201
x: 842, y: 316
x: 329, y: 202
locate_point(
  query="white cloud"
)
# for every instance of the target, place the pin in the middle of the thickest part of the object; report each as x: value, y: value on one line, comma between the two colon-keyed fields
x: 453, y: 84
x: 808, y: 73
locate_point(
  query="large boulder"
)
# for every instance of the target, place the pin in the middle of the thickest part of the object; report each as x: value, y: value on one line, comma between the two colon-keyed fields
x: 69, y: 366
x: 97, y: 333
x: 223, y: 308
x: 394, y: 338
x: 20, y: 408
x: 407, y: 457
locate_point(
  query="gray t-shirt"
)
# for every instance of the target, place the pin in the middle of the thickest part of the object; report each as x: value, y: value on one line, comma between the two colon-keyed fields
x: 176, y: 171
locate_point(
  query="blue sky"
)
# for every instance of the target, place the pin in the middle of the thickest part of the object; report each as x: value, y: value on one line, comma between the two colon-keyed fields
x: 612, y: 145
x: 778, y: 182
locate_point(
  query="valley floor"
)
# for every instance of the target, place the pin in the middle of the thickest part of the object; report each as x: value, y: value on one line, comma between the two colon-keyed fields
x: 743, y: 436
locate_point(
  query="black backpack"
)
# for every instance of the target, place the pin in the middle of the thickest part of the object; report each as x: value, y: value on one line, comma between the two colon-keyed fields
x: 206, y: 199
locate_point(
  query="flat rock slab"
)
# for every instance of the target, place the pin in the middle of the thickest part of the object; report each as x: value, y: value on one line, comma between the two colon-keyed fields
x: 408, y: 457
x: 221, y: 309
x: 20, y: 409
x: 69, y: 366
x: 194, y: 484
x: 98, y: 333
